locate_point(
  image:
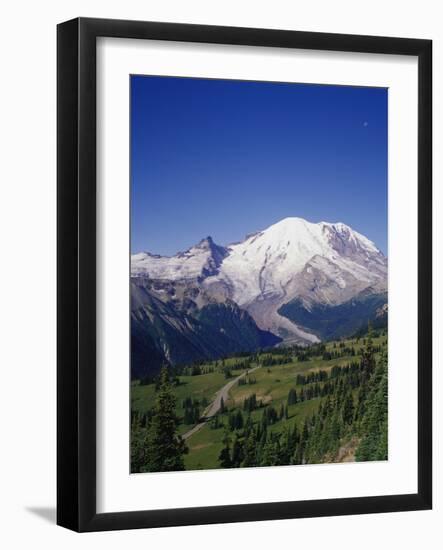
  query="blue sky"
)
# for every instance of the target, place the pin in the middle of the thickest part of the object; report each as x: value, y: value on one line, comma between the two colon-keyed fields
x: 225, y: 158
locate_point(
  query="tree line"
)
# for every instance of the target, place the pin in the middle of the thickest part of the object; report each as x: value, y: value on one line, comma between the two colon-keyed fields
x: 353, y: 406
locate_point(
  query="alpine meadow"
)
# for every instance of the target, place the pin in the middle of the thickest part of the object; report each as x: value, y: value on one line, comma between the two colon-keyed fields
x: 259, y: 274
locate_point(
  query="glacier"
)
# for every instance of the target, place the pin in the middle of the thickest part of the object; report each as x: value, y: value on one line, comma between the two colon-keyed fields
x: 323, y: 263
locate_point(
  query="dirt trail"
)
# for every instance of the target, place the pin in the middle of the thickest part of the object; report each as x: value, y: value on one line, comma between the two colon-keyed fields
x: 214, y: 407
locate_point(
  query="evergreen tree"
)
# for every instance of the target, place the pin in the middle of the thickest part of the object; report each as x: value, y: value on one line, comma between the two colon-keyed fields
x: 164, y: 448
x: 270, y: 453
x: 374, y: 424
x: 292, y: 396
x: 137, y: 444
x: 250, y: 450
x: 348, y: 409
x: 188, y: 417
x: 239, y: 422
x: 368, y: 357
x: 224, y: 457
x: 237, y: 453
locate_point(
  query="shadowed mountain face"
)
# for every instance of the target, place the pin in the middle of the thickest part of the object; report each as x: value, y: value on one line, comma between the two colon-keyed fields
x: 333, y: 322
x: 178, y: 331
x: 295, y: 281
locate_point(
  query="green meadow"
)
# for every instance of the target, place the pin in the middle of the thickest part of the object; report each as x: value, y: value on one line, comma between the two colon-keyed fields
x: 269, y: 386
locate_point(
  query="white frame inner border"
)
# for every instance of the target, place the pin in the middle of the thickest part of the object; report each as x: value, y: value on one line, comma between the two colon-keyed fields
x: 117, y: 490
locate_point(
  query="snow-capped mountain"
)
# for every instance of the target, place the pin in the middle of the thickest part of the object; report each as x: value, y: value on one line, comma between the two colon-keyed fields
x: 313, y: 263
x: 267, y: 263
x: 203, y: 259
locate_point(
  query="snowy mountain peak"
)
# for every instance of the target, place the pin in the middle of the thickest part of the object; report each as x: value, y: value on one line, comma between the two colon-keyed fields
x: 280, y: 251
x: 207, y: 242
x: 316, y: 263
x: 290, y: 222
x: 201, y: 260
x: 346, y: 233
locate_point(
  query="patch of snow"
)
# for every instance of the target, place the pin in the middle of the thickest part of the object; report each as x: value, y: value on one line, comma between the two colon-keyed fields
x: 269, y: 265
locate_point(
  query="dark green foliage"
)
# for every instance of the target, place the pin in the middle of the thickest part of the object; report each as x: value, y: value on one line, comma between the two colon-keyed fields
x: 215, y: 423
x: 225, y: 454
x: 227, y: 373
x: 271, y: 451
x: 270, y: 416
x: 235, y: 420
x: 348, y: 409
x: 270, y: 361
x: 339, y: 418
x: 247, y: 380
x: 138, y: 450
x: 250, y: 450
x: 225, y: 457
x: 161, y: 450
x: 192, y: 411
x: 292, y: 396
x: 346, y: 414
x: 237, y: 453
x: 374, y: 423
x: 250, y: 403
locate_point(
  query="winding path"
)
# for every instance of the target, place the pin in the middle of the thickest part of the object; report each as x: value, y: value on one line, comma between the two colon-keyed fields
x: 214, y: 407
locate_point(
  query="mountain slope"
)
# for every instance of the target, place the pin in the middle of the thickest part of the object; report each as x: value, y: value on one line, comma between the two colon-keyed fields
x: 202, y: 260
x: 266, y: 263
x: 178, y: 331
x: 312, y: 265
x: 330, y: 322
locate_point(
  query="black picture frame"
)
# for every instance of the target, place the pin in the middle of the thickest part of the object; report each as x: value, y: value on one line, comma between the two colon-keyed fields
x: 76, y: 282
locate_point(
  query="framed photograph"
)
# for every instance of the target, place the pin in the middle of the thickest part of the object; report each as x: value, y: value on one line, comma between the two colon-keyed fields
x: 244, y: 274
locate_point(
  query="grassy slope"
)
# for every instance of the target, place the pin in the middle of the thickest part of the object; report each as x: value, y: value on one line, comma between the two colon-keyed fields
x: 272, y: 387
x: 197, y: 387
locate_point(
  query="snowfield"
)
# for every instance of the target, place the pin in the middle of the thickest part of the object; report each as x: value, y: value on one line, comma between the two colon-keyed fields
x: 323, y: 262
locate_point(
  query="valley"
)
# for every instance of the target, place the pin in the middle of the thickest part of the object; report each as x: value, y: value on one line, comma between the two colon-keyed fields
x: 285, y: 405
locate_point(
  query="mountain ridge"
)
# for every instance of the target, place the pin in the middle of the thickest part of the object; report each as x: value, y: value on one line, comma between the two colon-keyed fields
x: 314, y: 266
